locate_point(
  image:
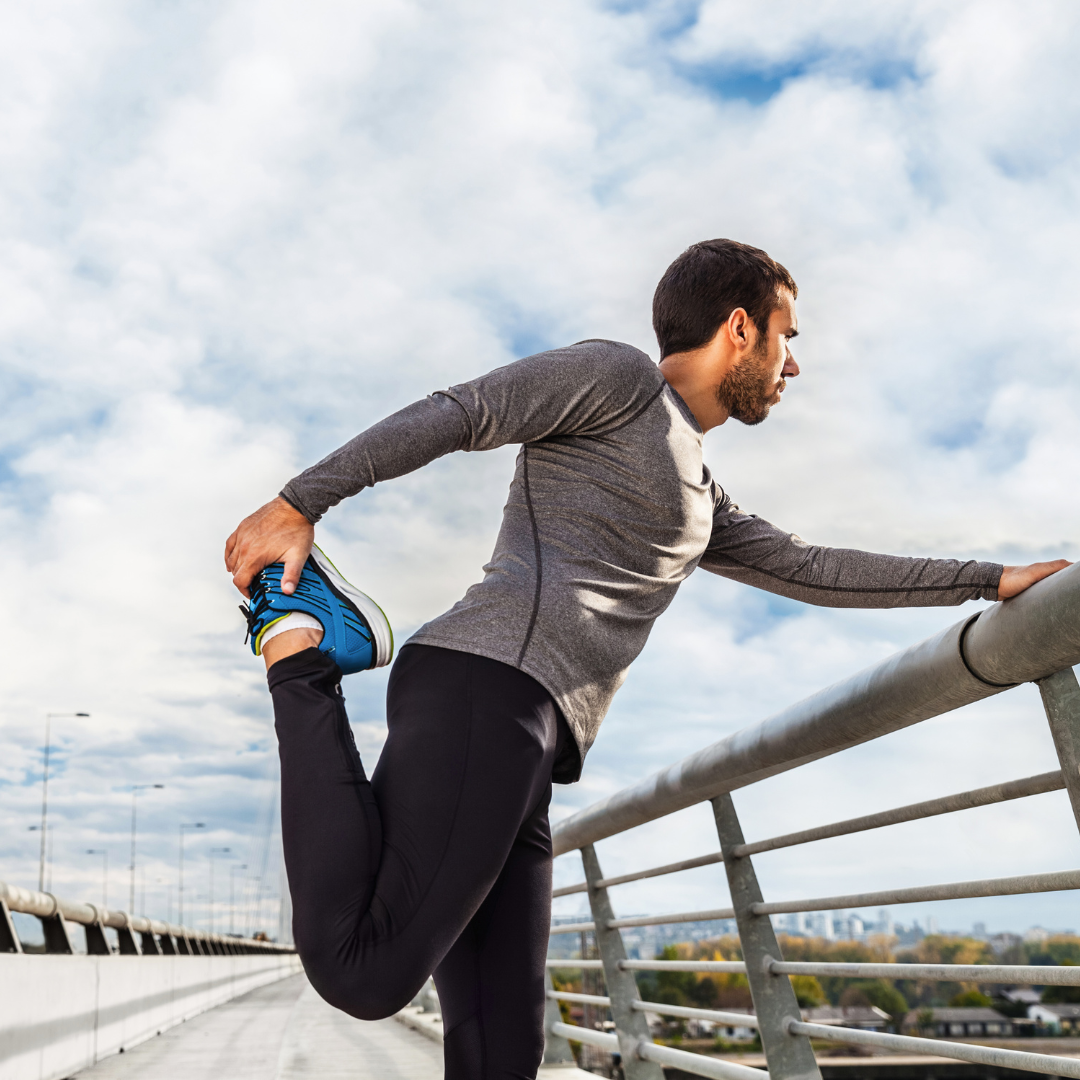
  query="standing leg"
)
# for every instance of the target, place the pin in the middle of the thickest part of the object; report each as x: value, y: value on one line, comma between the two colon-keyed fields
x: 492, y: 982
x: 386, y: 875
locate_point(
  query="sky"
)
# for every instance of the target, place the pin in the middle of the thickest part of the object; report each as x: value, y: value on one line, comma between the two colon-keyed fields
x: 233, y: 235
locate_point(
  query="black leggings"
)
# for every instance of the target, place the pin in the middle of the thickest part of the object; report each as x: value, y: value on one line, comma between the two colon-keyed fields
x: 441, y: 863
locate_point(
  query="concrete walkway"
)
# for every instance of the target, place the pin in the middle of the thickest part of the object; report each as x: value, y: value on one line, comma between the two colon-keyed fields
x: 280, y: 1032
x: 285, y: 1031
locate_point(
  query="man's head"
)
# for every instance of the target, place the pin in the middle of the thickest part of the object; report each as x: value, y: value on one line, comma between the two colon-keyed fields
x: 706, y: 283
x: 728, y: 309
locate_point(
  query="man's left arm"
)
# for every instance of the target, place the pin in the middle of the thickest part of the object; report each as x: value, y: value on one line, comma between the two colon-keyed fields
x: 749, y: 549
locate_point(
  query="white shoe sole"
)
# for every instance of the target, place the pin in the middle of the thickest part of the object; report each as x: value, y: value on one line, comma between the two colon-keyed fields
x: 373, y: 614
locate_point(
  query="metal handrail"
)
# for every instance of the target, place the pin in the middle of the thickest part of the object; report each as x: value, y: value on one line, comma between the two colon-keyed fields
x: 47, y: 906
x: 1030, y: 637
x: 1034, y: 637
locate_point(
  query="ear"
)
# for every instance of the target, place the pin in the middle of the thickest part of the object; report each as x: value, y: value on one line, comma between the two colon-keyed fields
x: 741, y: 330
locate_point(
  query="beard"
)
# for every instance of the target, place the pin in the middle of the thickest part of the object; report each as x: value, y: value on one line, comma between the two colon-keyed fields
x: 745, y: 390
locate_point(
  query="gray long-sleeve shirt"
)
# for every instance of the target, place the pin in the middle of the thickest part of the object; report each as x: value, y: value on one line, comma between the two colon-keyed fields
x: 610, y: 510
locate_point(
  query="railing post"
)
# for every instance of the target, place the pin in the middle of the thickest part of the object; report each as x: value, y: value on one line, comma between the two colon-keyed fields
x: 150, y: 946
x: 9, y: 939
x: 1061, y: 700
x: 97, y: 944
x: 630, y: 1026
x: 57, y: 938
x: 126, y: 939
x: 789, y: 1057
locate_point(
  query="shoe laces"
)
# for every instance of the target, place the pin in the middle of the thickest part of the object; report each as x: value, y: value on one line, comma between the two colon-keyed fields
x: 260, y: 604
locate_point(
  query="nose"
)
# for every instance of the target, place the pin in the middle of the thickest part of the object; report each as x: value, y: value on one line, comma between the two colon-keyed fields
x: 791, y: 369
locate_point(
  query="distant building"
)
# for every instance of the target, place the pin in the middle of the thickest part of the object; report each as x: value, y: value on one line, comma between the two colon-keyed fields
x: 1001, y: 943
x: 907, y: 938
x: 1059, y: 1018
x: 1037, y: 935
x: 867, y: 1017
x: 958, y: 1023
x: 1021, y: 994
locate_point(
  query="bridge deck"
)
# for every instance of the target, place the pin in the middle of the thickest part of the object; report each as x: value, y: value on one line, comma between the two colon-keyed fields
x: 284, y: 1031
x: 280, y: 1032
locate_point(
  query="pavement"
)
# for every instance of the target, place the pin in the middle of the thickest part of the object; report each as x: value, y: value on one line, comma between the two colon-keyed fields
x: 285, y: 1031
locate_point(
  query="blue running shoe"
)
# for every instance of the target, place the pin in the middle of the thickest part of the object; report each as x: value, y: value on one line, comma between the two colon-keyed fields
x: 356, y: 633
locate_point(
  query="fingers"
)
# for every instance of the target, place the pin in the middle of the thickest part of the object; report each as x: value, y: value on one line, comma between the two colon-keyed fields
x: 275, y: 533
x: 294, y: 565
x: 1015, y: 579
x: 230, y: 547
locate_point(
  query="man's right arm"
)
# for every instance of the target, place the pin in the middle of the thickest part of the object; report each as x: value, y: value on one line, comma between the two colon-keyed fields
x: 283, y: 530
x: 582, y: 389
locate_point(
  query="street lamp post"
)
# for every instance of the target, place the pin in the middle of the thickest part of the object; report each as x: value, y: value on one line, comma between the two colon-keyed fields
x: 214, y: 851
x: 232, y: 884
x: 45, y: 792
x: 135, y: 789
x: 180, y: 893
x: 104, y: 873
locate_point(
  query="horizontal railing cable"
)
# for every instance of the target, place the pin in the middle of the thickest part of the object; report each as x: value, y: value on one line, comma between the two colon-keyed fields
x: 656, y: 871
x: 731, y: 966
x: 949, y: 804
x: 1057, y: 881
x: 578, y: 999
x: 976, y: 973
x: 979, y: 1055
x: 697, y: 1064
x: 688, y: 1012
x: 685, y: 1012
x: 736, y: 967
x: 587, y: 1035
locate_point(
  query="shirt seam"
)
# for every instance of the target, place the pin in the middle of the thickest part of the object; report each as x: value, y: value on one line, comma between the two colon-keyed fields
x: 537, y: 554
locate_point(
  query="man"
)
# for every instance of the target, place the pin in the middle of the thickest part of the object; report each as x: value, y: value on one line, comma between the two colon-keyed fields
x: 442, y: 862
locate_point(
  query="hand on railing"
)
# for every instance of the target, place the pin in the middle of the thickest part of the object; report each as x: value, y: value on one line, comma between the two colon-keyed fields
x: 1015, y: 579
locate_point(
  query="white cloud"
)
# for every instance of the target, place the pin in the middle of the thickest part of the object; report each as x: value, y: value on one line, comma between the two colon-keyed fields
x: 233, y: 235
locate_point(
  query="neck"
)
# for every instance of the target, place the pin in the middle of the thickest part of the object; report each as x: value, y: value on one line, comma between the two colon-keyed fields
x: 695, y: 375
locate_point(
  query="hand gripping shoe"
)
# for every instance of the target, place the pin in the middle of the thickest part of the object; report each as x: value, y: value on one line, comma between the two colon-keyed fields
x: 356, y: 633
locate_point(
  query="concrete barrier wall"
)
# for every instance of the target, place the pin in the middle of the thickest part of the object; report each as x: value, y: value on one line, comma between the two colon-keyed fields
x: 59, y: 1014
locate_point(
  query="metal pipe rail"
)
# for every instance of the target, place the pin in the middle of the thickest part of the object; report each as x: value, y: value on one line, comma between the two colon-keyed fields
x: 975, y: 973
x: 979, y: 1055
x: 1059, y: 881
x: 686, y: 1012
x: 157, y: 937
x: 662, y: 1055
x: 732, y: 966
x: 1033, y: 637
x: 1025, y: 639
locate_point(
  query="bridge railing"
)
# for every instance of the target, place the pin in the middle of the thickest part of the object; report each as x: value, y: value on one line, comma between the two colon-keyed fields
x: 136, y: 934
x: 1034, y: 637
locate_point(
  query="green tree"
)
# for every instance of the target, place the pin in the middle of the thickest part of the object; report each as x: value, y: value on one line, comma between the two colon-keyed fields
x: 808, y: 991
x: 971, y: 999
x: 887, y: 998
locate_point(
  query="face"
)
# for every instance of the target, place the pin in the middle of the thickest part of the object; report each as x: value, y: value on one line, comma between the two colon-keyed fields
x: 754, y: 385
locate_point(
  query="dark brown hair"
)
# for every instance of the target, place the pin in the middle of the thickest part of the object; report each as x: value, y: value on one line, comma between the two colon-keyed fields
x: 706, y: 283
